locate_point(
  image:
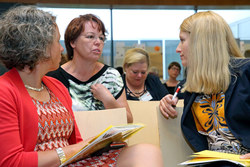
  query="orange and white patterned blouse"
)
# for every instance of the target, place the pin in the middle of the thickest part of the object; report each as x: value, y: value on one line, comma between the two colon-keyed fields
x: 55, y: 125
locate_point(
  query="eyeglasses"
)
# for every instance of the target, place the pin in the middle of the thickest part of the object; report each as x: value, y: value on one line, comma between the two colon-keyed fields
x: 175, y: 69
x: 92, y: 37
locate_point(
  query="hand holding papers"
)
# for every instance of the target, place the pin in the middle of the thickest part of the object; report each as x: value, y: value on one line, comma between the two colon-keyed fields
x: 109, y: 135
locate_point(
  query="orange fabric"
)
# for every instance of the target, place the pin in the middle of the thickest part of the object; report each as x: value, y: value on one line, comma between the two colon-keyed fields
x: 55, y: 124
x: 107, y: 159
x: 209, y: 114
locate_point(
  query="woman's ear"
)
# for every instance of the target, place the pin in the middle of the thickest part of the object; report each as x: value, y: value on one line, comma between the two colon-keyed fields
x: 72, y: 44
x: 125, y: 67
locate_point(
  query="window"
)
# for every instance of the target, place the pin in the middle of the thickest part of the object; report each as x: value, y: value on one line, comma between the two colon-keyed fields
x: 156, y: 30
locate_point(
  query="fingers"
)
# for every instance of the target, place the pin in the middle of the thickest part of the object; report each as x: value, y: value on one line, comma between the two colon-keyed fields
x: 92, y: 88
x: 95, y: 88
x: 98, y: 87
x: 166, y: 107
x: 100, y: 92
x: 164, y: 113
x: 246, y: 156
x: 163, y: 108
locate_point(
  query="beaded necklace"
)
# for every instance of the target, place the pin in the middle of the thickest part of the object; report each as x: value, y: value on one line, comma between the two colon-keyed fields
x: 136, y: 94
x: 35, y: 89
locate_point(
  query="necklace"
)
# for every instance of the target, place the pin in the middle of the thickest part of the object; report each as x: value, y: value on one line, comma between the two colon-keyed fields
x: 136, y: 94
x: 35, y: 89
x: 139, y: 93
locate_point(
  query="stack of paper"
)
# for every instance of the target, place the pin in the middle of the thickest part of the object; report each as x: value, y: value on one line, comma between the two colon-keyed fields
x: 109, y: 135
x: 206, y: 156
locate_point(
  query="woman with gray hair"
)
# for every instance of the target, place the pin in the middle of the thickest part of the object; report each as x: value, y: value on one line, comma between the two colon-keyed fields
x: 37, y: 125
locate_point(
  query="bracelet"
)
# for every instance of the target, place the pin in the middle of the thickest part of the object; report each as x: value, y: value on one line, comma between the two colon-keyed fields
x: 61, y: 155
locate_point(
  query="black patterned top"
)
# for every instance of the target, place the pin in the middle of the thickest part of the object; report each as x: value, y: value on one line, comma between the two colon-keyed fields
x: 82, y: 98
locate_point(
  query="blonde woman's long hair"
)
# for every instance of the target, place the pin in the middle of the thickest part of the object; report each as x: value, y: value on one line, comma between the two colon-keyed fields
x: 211, y: 47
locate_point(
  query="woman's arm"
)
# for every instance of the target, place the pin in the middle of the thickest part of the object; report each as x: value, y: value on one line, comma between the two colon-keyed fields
x: 51, y: 158
x: 101, y: 93
x: 122, y: 100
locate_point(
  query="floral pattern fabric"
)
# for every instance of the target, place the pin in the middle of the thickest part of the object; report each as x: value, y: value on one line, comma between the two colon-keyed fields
x: 209, y: 115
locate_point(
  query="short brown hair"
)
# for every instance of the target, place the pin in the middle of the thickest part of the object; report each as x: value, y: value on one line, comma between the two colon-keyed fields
x: 174, y: 63
x: 76, y: 27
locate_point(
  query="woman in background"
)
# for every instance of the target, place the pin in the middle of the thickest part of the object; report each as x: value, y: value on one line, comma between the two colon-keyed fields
x: 216, y: 92
x: 91, y: 84
x: 37, y: 125
x: 174, y: 70
x: 140, y: 85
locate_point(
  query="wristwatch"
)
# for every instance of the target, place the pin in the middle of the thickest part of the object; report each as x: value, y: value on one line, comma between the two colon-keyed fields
x: 61, y: 155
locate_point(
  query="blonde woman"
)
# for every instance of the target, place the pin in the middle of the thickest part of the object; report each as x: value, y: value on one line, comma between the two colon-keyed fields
x: 140, y: 85
x: 216, y: 112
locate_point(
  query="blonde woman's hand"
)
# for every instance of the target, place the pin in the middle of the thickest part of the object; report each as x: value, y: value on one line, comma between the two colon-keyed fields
x: 167, y: 106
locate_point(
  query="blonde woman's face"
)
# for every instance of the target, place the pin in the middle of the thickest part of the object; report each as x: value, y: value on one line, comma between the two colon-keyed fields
x: 136, y: 74
x: 183, y: 46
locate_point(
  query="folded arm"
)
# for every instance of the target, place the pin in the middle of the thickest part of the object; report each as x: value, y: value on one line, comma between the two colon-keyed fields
x: 101, y: 93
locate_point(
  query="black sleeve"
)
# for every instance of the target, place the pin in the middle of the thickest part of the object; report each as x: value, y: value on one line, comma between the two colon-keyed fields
x: 155, y: 87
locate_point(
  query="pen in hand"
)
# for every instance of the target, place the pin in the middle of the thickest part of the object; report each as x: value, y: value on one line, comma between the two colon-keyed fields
x: 176, y: 93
